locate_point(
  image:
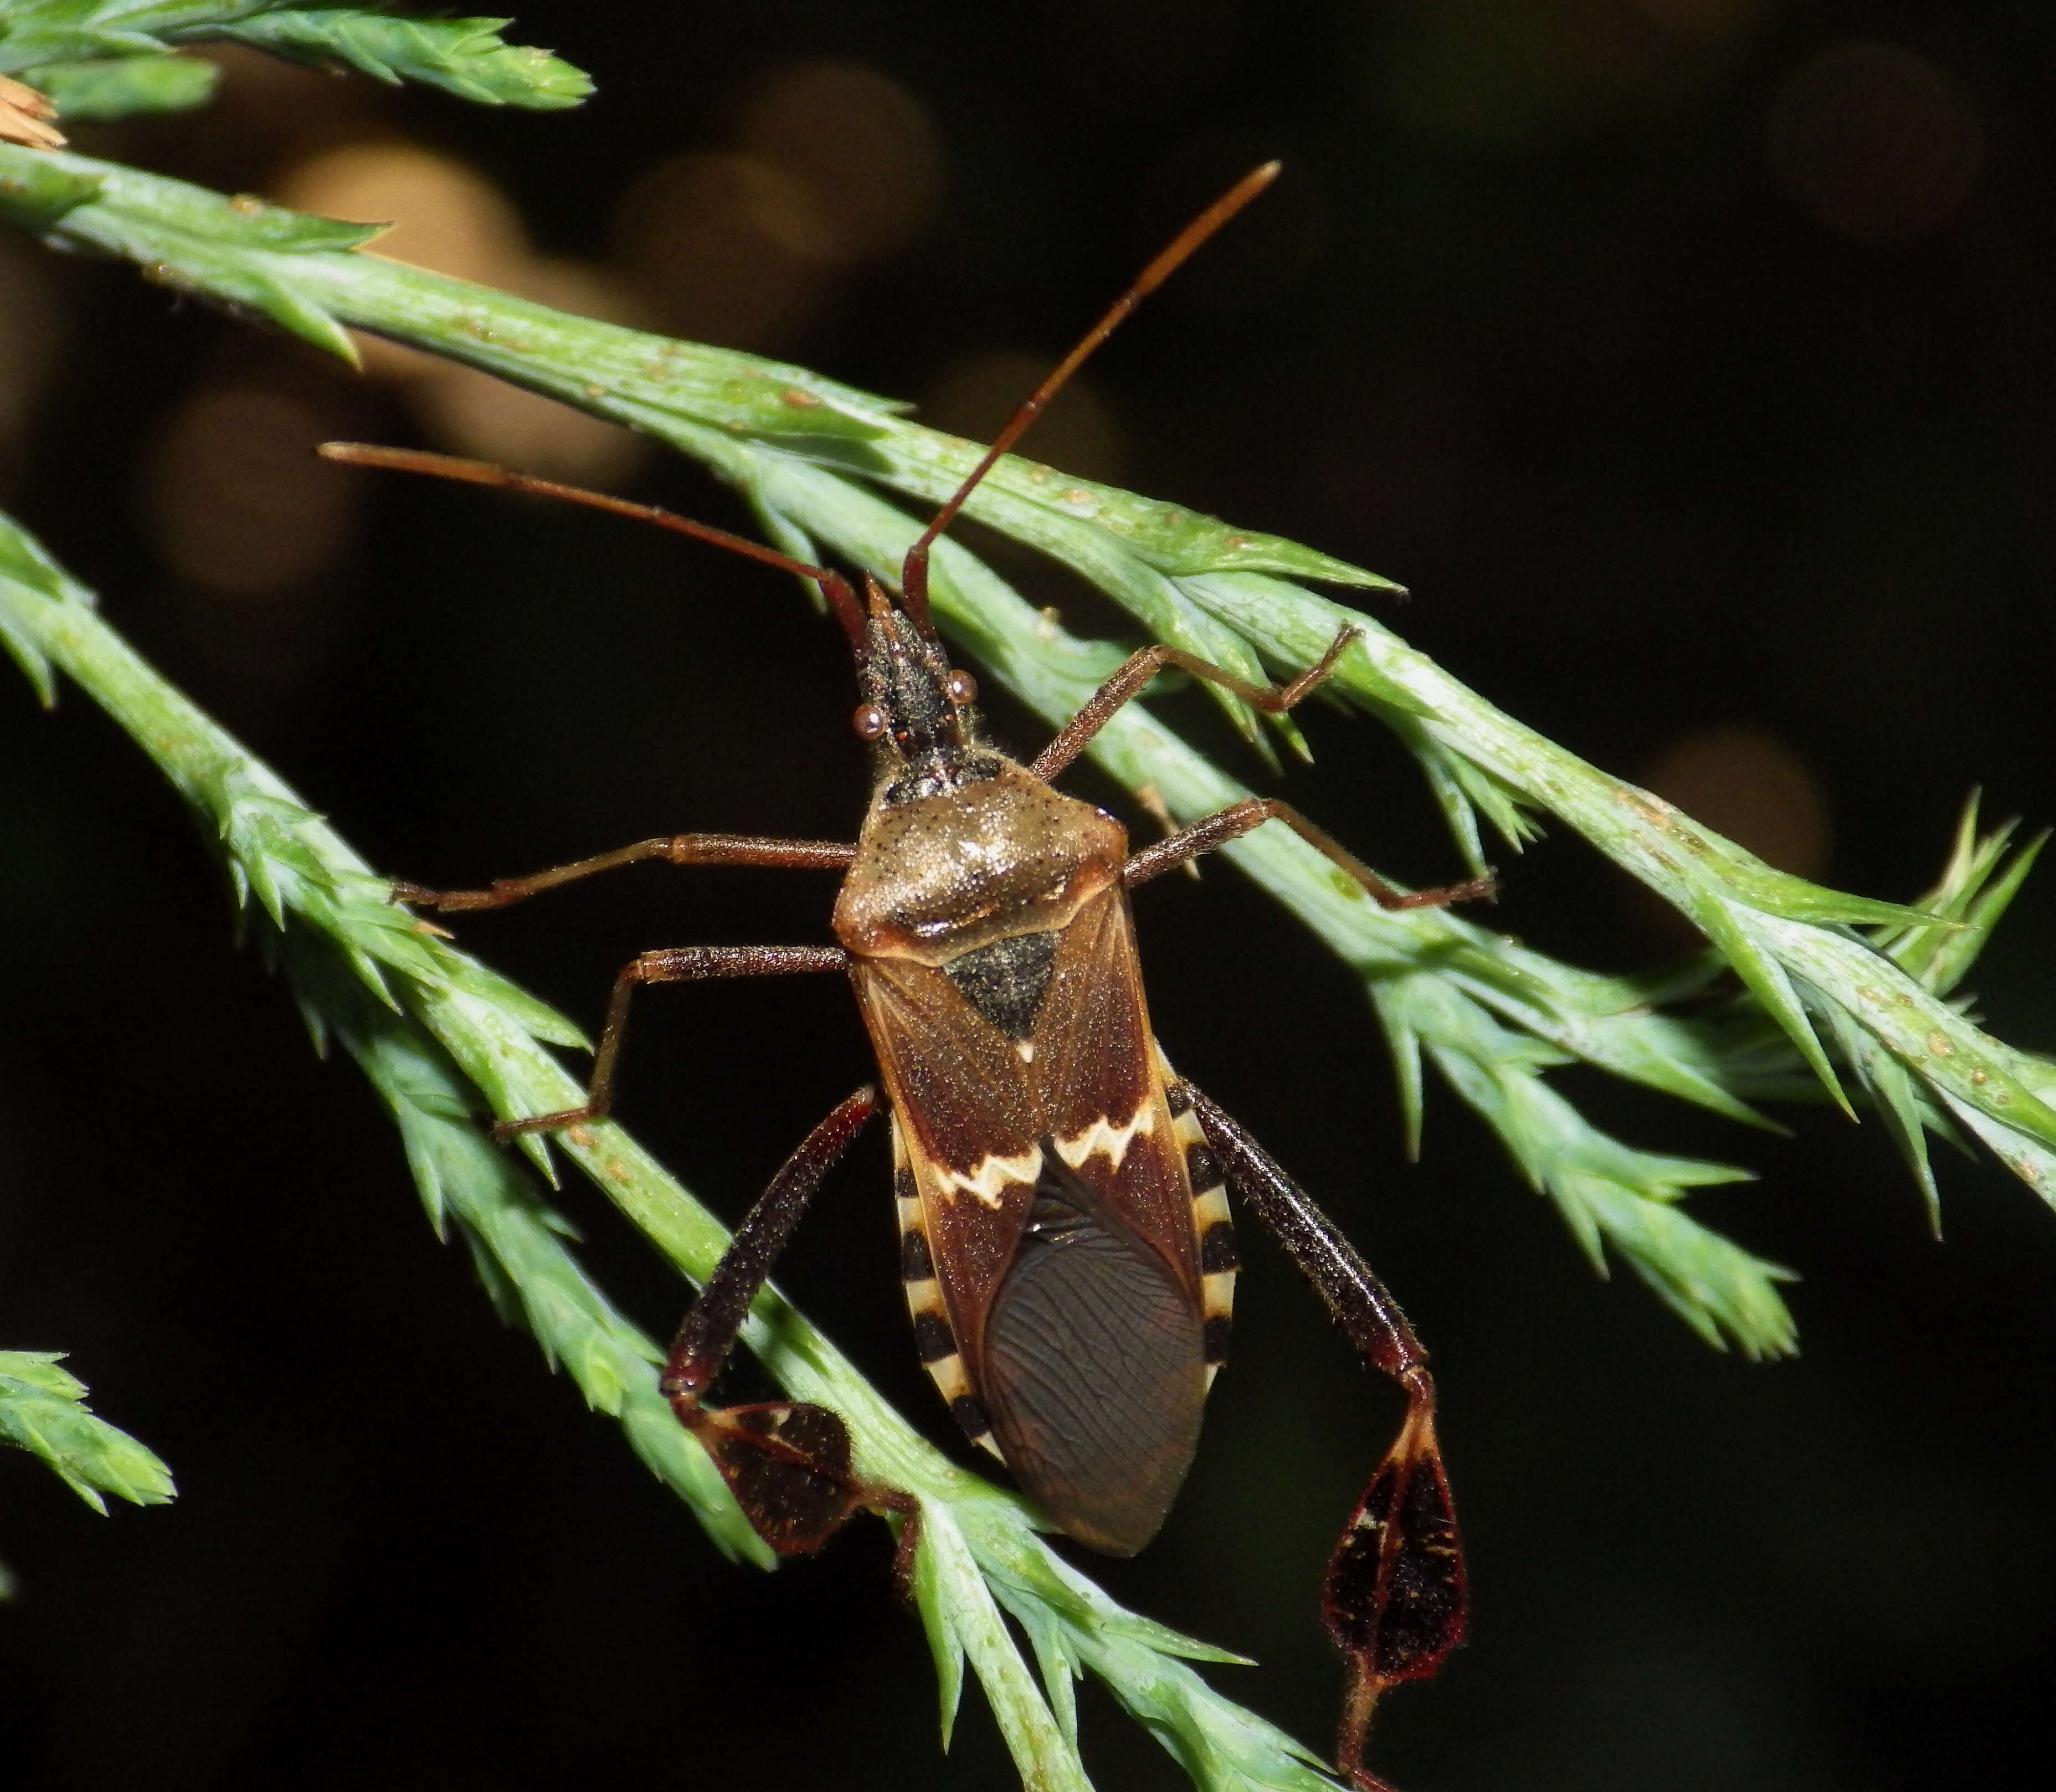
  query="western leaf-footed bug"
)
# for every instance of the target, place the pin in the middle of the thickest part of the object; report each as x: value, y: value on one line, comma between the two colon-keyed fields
x: 1064, y: 1239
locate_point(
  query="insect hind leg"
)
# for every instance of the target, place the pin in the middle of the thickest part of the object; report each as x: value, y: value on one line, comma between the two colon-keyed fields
x: 790, y: 1464
x: 1396, y: 1599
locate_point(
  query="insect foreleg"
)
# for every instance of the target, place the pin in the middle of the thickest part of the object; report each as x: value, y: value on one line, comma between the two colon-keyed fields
x: 682, y: 964
x: 1238, y: 819
x: 1396, y: 1599
x: 788, y: 1463
x: 679, y: 850
x: 1144, y: 664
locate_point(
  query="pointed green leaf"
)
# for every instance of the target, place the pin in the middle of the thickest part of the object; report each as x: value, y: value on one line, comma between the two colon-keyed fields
x: 253, y: 291
x: 1779, y: 892
x: 1614, y: 1030
x: 1080, y: 1604
x: 1179, y: 543
x: 1953, y: 953
x: 2032, y: 1159
x: 1972, y: 861
x: 1477, y: 790
x: 1059, y: 1672
x: 1464, y: 791
x: 539, y: 1017
x: 37, y: 1372
x: 1894, y: 1100
x: 43, y: 1410
x: 1717, y: 1288
x: 1726, y: 925
x: 38, y: 189
x: 35, y: 666
x: 1459, y: 811
x: 122, y: 86
x: 1032, y: 1735
x: 23, y: 560
x: 793, y: 541
x: 932, y: 1599
x: 462, y: 56
x: 1405, y: 1044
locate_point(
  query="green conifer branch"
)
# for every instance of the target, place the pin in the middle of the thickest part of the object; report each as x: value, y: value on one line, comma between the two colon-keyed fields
x: 110, y: 58
x: 1852, y: 993
x: 43, y: 1410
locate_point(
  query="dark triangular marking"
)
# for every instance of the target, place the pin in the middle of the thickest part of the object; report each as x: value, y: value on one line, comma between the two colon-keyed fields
x: 1005, y: 982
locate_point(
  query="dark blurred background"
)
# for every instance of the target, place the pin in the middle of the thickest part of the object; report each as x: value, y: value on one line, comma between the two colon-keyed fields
x: 1695, y: 363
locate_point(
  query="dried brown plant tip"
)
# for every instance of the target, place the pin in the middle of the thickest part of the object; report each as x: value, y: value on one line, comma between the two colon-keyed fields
x: 25, y: 116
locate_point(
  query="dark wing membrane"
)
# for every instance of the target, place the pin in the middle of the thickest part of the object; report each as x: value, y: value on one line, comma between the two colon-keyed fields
x: 1093, y: 1367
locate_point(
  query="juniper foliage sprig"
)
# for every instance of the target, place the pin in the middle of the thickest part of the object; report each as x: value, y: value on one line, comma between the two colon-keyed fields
x: 43, y: 1410
x: 110, y: 58
x: 1492, y: 1016
x: 1822, y: 1001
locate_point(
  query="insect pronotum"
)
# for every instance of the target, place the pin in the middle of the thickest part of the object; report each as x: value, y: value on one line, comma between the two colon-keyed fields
x: 1061, y: 1193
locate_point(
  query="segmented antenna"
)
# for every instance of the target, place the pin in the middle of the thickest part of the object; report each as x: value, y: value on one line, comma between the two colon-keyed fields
x: 835, y: 587
x: 914, y: 573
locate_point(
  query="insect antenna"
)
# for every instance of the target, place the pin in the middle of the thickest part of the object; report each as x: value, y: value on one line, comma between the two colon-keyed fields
x: 914, y: 574
x: 835, y: 587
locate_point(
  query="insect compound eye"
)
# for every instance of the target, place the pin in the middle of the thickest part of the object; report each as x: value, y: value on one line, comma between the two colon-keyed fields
x: 960, y: 688
x: 869, y: 721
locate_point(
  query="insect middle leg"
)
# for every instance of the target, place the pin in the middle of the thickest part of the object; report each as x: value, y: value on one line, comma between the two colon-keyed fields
x: 788, y: 1463
x: 680, y: 964
x: 1396, y: 1599
x: 678, y: 850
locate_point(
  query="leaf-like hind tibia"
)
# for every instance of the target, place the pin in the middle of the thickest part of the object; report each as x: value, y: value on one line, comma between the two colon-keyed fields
x: 788, y: 1467
x: 1396, y: 1599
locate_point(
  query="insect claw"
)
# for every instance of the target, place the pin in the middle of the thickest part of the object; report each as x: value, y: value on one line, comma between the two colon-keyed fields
x: 891, y: 1501
x: 1477, y: 889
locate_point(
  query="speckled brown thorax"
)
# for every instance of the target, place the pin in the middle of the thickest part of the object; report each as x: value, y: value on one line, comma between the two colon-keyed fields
x: 994, y: 860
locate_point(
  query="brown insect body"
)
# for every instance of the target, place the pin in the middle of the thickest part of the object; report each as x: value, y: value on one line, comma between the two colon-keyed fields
x: 1050, y: 1240
x: 1065, y: 1239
